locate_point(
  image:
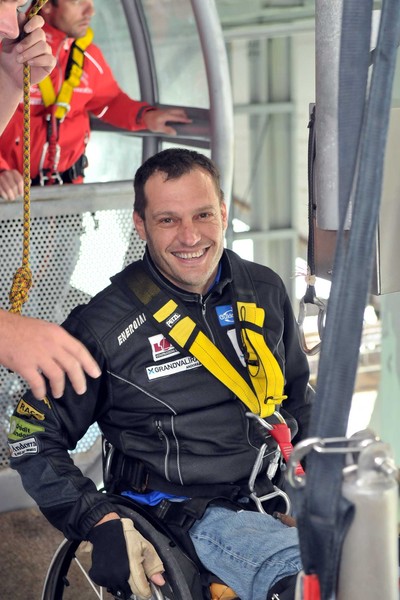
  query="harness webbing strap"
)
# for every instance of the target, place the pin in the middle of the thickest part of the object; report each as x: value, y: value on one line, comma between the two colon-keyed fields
x: 265, y: 372
x: 73, y: 77
x: 324, y: 514
x: 212, y: 358
x: 265, y: 390
x: 165, y: 311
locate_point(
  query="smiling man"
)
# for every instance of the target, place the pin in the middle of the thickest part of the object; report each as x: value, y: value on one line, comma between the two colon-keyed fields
x: 178, y: 335
x: 183, y: 226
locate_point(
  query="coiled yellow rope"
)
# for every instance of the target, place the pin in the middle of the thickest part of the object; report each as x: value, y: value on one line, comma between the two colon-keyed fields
x: 22, y: 281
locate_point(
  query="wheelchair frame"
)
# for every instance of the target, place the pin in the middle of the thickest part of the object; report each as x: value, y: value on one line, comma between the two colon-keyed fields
x: 185, y: 580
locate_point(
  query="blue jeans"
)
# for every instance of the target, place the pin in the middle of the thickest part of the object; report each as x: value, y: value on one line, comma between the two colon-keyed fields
x: 249, y: 551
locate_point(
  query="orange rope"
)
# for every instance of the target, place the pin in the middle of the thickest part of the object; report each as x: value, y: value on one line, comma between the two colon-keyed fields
x: 22, y: 281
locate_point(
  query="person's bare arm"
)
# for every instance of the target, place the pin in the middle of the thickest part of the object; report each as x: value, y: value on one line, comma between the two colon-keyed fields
x: 156, y: 120
x: 33, y: 348
x: 33, y: 50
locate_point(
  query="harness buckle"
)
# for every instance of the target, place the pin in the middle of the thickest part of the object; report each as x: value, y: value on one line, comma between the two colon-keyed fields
x: 50, y: 176
x: 65, y: 106
x: 47, y: 178
x: 320, y: 320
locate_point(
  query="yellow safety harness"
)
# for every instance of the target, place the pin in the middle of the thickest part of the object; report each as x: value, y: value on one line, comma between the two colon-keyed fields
x: 264, y: 389
x: 62, y: 100
x: 22, y: 280
x: 58, y: 106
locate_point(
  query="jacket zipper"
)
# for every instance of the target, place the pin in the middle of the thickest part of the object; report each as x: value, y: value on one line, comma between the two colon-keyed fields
x: 164, y: 438
x: 204, y: 315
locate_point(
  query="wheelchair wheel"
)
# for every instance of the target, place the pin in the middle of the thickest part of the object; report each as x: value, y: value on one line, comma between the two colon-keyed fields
x: 67, y: 577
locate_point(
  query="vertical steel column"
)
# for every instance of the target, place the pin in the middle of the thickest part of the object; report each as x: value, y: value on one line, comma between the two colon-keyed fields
x: 328, y: 16
x: 145, y: 61
x: 219, y: 87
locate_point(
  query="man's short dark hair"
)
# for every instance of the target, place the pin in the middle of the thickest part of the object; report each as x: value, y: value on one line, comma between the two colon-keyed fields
x: 174, y: 162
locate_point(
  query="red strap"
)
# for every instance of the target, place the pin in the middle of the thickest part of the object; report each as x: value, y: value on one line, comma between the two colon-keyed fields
x: 281, y: 434
x: 52, y: 151
x: 311, y: 590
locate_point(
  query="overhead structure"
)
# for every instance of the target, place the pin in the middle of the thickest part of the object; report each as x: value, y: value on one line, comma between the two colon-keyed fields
x: 386, y: 276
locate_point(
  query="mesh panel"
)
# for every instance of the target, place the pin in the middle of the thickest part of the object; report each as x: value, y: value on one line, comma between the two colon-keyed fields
x: 72, y: 258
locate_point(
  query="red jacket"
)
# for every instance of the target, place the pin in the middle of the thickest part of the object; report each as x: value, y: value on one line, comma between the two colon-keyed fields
x: 98, y: 93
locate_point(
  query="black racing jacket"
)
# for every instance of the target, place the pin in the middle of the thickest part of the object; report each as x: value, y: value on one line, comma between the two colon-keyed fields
x: 153, y: 402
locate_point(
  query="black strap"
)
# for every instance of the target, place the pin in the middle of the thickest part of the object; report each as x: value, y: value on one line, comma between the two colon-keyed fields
x: 323, y: 514
x: 309, y: 296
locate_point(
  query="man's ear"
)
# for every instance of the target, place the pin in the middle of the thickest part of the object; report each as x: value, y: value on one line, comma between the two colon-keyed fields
x: 224, y: 214
x: 139, y: 225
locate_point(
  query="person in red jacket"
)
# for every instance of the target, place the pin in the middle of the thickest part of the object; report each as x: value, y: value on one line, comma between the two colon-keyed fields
x: 33, y: 348
x: 60, y: 126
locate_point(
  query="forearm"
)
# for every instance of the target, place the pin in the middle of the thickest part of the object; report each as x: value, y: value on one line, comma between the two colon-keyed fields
x: 123, y: 112
x: 68, y: 500
x: 8, y: 331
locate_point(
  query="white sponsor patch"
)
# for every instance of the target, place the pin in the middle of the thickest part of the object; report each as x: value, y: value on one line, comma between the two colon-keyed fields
x: 170, y: 368
x: 161, y: 347
x: 28, y: 446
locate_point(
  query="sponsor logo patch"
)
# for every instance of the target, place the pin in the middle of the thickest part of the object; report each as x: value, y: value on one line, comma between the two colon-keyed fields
x: 161, y: 347
x: 26, y: 409
x: 19, y: 428
x: 28, y: 446
x: 175, y: 366
x: 225, y: 315
x: 173, y: 319
x: 131, y: 328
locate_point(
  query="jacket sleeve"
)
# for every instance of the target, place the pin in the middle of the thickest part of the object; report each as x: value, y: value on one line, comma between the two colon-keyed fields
x: 41, y: 435
x: 109, y: 103
x: 299, y: 392
x: 4, y: 166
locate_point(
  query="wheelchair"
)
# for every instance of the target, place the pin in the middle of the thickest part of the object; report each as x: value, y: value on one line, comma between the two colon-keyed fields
x: 68, y: 579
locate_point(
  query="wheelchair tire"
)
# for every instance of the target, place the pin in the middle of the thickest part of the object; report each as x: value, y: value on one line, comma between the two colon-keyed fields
x: 67, y: 577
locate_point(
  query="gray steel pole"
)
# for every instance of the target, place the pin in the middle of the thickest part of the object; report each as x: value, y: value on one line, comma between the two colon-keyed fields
x: 221, y: 103
x: 328, y: 16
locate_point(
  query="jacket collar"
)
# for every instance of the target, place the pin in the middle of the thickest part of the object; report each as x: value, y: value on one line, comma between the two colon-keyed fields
x: 225, y: 279
x: 56, y: 36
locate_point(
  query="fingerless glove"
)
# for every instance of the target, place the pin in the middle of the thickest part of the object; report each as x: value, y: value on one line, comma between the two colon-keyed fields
x: 110, y: 562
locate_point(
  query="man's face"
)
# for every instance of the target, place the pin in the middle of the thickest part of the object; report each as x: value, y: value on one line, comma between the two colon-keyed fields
x: 184, y: 228
x: 9, y: 18
x: 70, y: 16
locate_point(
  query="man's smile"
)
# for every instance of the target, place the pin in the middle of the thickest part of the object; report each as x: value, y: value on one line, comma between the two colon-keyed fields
x: 190, y: 255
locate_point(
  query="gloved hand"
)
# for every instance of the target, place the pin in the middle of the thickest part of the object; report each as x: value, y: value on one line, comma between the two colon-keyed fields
x: 121, y: 558
x: 144, y: 561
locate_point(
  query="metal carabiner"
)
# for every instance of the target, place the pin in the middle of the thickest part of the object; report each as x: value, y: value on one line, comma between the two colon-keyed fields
x: 321, y: 324
x: 272, y: 468
x: 334, y: 445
